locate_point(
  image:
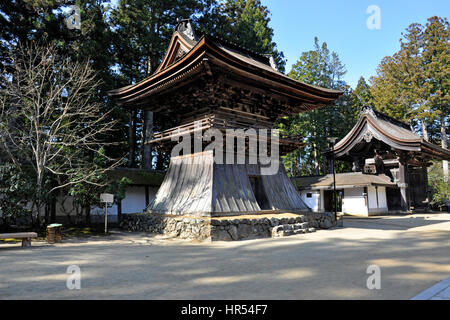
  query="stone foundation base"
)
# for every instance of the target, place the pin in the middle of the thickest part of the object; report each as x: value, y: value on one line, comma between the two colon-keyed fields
x: 228, y: 228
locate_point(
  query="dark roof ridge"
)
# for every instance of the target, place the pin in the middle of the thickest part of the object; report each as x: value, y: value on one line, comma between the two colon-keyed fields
x: 383, y: 116
x: 262, y: 57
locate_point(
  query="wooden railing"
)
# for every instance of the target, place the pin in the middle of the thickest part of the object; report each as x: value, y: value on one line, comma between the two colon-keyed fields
x: 220, y: 121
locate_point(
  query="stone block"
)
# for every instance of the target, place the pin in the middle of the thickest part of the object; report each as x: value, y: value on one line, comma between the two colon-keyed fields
x: 232, y: 230
x: 325, y: 224
x: 244, y: 230
x: 215, y: 222
x: 274, y: 222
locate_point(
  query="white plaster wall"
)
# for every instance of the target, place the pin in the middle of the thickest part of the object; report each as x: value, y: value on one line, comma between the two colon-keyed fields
x: 312, y: 202
x: 372, y: 199
x: 354, y: 202
x: 381, y: 207
x: 135, y: 199
x: 382, y: 198
x: 134, y: 202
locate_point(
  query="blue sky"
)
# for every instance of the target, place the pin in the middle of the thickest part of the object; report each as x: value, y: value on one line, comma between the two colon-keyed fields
x: 342, y: 25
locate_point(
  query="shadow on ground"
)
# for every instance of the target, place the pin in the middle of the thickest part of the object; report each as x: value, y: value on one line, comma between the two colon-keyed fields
x: 395, y: 223
x: 328, y: 264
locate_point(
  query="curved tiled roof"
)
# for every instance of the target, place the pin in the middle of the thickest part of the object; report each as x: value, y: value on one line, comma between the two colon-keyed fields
x: 185, y: 55
x: 397, y: 134
x: 343, y: 180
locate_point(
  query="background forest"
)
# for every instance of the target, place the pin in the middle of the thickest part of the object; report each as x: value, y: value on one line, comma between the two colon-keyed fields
x: 41, y: 149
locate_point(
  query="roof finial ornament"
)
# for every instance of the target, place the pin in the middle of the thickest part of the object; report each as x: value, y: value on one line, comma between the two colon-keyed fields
x: 272, y: 61
x: 367, y: 110
x: 184, y: 26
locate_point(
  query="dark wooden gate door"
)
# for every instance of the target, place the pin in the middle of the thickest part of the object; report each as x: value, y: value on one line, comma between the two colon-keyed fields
x: 259, y: 192
x: 417, y: 188
x: 393, y: 198
x: 328, y: 200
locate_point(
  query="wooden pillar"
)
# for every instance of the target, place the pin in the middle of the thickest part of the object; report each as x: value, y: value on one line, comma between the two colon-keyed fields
x: 330, y: 164
x: 378, y: 202
x: 425, y: 179
x: 321, y: 200
x: 402, y: 183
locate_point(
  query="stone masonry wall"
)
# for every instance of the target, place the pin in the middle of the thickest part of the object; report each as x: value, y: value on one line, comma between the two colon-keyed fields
x: 229, y: 228
x: 176, y: 226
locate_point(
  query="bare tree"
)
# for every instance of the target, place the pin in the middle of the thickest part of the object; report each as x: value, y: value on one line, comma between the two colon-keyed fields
x: 50, y: 118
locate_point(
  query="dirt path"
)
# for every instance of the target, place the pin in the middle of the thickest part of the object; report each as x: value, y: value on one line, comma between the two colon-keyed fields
x: 412, y: 252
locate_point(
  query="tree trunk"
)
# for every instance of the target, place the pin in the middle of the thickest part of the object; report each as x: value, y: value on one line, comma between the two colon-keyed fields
x: 119, y: 212
x: 39, y: 179
x: 53, y: 211
x: 47, y: 213
x: 87, y: 212
x: 316, y: 160
x: 445, y: 146
x: 147, y: 133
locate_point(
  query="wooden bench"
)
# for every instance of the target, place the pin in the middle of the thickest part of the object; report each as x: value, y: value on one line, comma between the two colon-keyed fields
x: 25, y: 236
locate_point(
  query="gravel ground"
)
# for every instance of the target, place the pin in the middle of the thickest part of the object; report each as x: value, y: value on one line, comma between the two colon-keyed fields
x: 413, y: 253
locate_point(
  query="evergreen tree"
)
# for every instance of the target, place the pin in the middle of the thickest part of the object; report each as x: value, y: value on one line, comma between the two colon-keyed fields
x: 436, y: 56
x: 246, y: 23
x: 361, y: 94
x: 322, y: 68
x: 413, y: 83
x: 141, y: 32
x: 395, y: 88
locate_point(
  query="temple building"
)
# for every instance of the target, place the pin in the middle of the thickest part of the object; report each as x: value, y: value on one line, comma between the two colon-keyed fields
x: 358, y: 193
x: 205, y: 83
x: 389, y: 163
